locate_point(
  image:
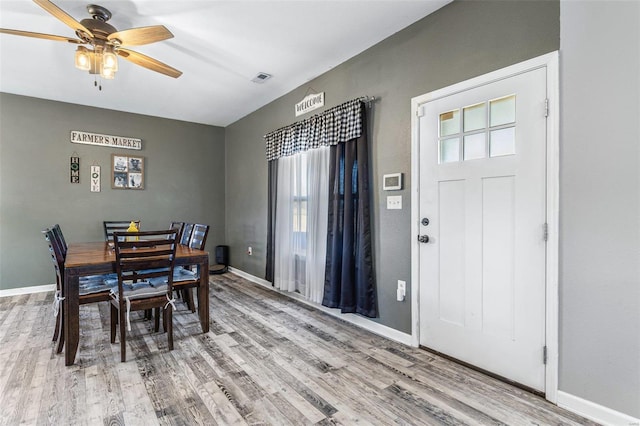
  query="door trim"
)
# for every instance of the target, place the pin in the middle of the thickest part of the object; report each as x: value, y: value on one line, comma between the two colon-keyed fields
x: 550, y: 62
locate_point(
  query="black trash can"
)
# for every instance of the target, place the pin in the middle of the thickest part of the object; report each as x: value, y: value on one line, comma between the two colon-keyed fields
x: 222, y: 260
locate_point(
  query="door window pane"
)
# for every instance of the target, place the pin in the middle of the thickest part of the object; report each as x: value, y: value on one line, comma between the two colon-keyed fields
x: 474, y: 146
x: 450, y: 123
x: 503, y: 110
x: 475, y: 117
x: 503, y: 142
x: 449, y: 150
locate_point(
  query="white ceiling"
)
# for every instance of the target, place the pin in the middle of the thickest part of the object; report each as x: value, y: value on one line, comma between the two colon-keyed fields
x: 218, y: 45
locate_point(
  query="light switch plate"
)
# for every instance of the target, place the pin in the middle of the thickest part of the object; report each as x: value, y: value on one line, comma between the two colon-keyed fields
x: 394, y: 202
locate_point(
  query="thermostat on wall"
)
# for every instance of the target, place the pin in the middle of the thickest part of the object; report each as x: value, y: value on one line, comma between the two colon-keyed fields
x: 392, y: 181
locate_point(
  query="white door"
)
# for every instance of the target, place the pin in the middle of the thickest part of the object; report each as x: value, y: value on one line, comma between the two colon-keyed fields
x: 482, y: 190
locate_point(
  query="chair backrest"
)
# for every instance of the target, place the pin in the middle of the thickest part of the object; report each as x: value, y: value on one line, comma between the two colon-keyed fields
x: 111, y: 226
x: 151, y: 256
x: 179, y: 226
x: 58, y: 233
x: 56, y: 255
x: 199, y: 236
x: 186, y: 234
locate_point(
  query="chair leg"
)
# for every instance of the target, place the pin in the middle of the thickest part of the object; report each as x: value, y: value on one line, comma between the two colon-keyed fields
x: 123, y: 339
x: 114, y: 322
x: 157, y: 319
x: 60, y: 326
x: 193, y: 304
x: 164, y: 320
x: 169, y: 325
x: 188, y: 297
x: 56, y: 330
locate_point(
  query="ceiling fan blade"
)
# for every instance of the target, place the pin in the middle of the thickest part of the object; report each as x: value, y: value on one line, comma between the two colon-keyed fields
x: 148, y: 62
x: 140, y: 36
x: 40, y: 35
x: 62, y: 16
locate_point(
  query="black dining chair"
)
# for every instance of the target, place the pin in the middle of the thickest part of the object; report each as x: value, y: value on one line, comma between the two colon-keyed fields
x: 144, y: 268
x: 179, y: 226
x: 92, y: 289
x: 111, y: 226
x: 57, y: 298
x: 186, y: 278
x: 58, y: 233
x: 186, y: 233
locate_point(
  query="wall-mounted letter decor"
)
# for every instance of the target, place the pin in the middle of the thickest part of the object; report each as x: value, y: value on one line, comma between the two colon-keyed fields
x: 95, y: 179
x: 75, y: 170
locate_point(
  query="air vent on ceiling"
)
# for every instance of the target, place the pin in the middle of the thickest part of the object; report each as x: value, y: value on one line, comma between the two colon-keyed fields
x: 261, y: 77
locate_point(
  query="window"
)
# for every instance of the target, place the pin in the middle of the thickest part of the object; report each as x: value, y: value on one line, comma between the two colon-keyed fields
x: 485, y: 129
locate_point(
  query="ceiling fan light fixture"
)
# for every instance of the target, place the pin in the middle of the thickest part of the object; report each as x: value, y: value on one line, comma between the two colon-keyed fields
x: 109, y: 59
x: 107, y: 73
x: 83, y: 58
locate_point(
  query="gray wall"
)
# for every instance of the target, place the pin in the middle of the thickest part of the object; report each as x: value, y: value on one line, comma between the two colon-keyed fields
x: 600, y: 197
x: 460, y: 41
x: 600, y: 179
x: 184, y: 180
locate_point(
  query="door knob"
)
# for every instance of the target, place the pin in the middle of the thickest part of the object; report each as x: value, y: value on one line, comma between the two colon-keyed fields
x: 423, y: 238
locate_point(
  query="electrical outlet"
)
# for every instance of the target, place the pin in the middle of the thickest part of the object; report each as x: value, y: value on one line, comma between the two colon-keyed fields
x: 250, y: 251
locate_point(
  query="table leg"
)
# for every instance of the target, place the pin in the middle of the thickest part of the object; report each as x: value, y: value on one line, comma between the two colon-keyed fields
x: 203, y: 296
x: 71, y: 316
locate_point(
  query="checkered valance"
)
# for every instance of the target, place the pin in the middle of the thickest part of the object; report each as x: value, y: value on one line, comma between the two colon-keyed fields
x: 338, y: 124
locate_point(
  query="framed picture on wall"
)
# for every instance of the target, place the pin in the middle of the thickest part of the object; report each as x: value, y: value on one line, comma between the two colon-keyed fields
x: 127, y: 172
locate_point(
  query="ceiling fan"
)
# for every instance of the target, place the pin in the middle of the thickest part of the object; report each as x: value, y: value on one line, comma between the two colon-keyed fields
x: 104, y: 41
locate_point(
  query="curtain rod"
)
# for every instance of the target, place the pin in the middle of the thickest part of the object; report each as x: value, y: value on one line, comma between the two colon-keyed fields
x: 367, y: 100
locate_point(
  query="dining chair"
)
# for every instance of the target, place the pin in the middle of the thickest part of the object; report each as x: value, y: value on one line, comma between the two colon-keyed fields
x: 57, y: 298
x: 92, y: 289
x: 179, y: 226
x: 185, y: 278
x: 111, y: 226
x: 144, y: 269
x: 58, y: 233
x: 186, y: 234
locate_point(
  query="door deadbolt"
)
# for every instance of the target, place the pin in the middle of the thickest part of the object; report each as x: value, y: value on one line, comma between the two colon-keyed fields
x: 424, y: 221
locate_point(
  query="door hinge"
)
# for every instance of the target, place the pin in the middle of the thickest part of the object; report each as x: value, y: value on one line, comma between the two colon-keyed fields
x: 545, y: 232
x: 546, y: 107
x: 544, y: 355
x: 420, y: 111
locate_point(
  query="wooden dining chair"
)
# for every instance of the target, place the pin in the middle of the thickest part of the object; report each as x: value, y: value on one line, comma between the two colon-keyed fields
x: 57, y: 298
x: 186, y: 233
x: 111, y: 226
x: 58, y: 233
x: 92, y: 289
x: 144, y: 269
x: 186, y: 278
x: 179, y: 226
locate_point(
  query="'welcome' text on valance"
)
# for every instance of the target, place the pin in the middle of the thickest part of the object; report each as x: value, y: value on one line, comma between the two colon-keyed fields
x: 336, y: 125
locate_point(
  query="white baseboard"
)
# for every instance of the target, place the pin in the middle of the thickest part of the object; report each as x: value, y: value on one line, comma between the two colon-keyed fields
x: 27, y: 290
x: 595, y: 412
x: 357, y: 320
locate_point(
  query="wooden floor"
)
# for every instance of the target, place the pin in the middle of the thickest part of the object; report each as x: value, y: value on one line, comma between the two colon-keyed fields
x: 267, y: 360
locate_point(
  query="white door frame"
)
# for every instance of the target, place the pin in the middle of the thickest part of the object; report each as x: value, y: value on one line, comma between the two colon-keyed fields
x: 550, y: 61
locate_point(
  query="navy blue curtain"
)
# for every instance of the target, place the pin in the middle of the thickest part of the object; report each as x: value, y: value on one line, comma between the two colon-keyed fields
x: 271, y: 219
x: 349, y: 276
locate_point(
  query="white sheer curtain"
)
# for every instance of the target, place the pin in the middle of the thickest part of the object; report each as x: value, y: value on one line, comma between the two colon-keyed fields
x: 301, y: 223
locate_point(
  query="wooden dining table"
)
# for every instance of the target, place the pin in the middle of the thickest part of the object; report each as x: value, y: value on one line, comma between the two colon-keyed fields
x: 95, y: 258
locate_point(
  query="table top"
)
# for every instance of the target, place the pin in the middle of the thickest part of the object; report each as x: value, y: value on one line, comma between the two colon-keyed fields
x: 92, y: 253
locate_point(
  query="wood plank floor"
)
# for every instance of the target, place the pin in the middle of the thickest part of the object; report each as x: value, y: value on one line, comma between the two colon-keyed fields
x: 267, y: 360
